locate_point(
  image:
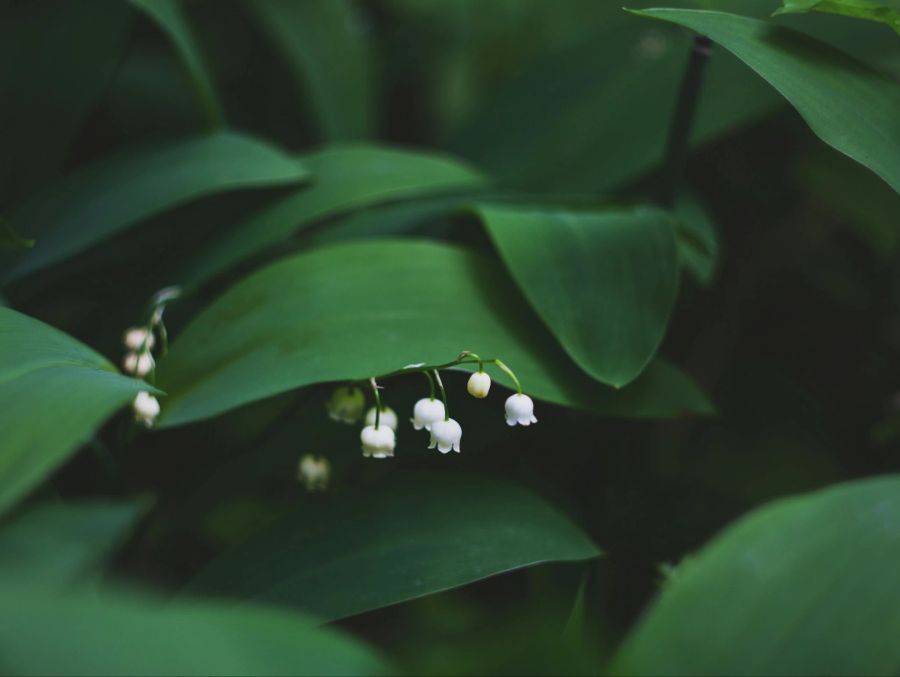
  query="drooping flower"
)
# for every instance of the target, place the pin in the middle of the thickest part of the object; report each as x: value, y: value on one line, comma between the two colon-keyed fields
x: 139, y: 338
x: 427, y: 411
x: 346, y: 404
x: 479, y: 384
x: 445, y: 435
x: 378, y: 442
x: 146, y: 409
x: 388, y: 417
x: 138, y: 364
x: 314, y: 472
x: 520, y: 410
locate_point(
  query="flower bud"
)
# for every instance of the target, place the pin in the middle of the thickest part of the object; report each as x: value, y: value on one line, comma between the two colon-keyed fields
x: 346, y: 404
x: 388, y: 418
x: 138, y: 364
x: 377, y: 443
x: 146, y: 409
x: 314, y: 472
x: 426, y: 412
x: 135, y: 338
x: 519, y: 410
x: 479, y: 384
x: 445, y: 435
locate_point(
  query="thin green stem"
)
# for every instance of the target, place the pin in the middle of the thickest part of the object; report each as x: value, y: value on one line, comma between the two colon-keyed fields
x: 430, y: 385
x: 377, y: 402
x: 510, y: 373
x: 469, y: 353
x: 437, y: 377
x: 678, y: 143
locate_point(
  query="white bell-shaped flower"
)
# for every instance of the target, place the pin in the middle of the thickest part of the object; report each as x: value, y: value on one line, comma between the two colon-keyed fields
x: 377, y: 442
x: 520, y: 410
x: 445, y: 435
x: 146, y: 409
x: 314, y: 472
x: 479, y: 385
x: 346, y: 404
x: 388, y: 417
x: 426, y: 412
x: 136, y: 338
x: 138, y: 364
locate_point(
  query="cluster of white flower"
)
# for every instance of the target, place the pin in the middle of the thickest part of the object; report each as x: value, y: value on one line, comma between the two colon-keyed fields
x: 379, y: 434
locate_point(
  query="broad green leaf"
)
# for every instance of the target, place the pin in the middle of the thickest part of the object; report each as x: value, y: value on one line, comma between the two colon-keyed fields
x: 354, y: 310
x: 806, y: 585
x: 346, y: 178
x: 849, y: 106
x: 367, y: 549
x: 56, y: 62
x: 54, y: 391
x: 119, y: 191
x: 119, y: 633
x: 604, y: 282
x: 326, y: 49
x: 170, y: 17
x: 885, y: 11
x: 59, y: 543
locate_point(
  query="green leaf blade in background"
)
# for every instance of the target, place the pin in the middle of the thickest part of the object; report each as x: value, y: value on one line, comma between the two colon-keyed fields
x: 885, y: 11
x: 117, y: 192
x: 170, y: 17
x: 393, y: 302
x: 54, y: 392
x: 327, y: 51
x: 849, y: 106
x: 347, y: 177
x: 120, y: 633
x: 58, y: 544
x: 604, y: 282
x: 368, y: 549
x: 805, y: 585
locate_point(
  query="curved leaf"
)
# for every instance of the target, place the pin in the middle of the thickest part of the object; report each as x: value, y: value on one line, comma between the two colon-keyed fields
x: 170, y: 18
x: 119, y: 191
x: 805, y: 585
x: 368, y: 549
x: 849, y: 106
x: 57, y: 543
x: 351, y: 311
x: 54, y: 391
x: 117, y: 633
x: 346, y: 177
x: 885, y: 11
x: 326, y: 49
x: 604, y: 282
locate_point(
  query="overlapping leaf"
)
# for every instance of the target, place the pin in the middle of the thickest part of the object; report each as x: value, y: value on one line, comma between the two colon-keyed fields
x: 351, y: 311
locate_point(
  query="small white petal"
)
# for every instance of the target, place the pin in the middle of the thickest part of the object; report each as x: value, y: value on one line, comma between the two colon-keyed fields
x: 388, y: 418
x: 146, y: 408
x: 519, y: 410
x: 378, y: 442
x: 479, y: 384
x: 445, y: 435
x: 135, y: 338
x: 426, y: 411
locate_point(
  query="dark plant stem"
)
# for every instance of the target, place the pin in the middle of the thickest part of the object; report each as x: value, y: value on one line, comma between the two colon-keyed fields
x: 677, y: 145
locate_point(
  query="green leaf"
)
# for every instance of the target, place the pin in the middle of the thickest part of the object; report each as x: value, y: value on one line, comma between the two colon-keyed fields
x: 170, y: 17
x: 58, y: 543
x: 604, y: 282
x: 354, y: 310
x: 119, y: 191
x: 885, y: 11
x: 117, y: 633
x: 328, y: 54
x: 367, y: 549
x: 54, y: 391
x: 57, y: 61
x: 848, y: 105
x: 346, y: 178
x: 800, y: 586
